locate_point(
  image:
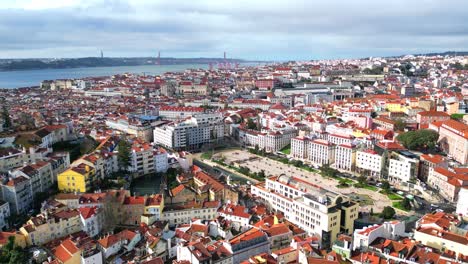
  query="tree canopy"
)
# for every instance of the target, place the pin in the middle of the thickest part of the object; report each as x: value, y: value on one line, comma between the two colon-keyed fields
x: 388, y: 212
x: 400, y: 124
x: 124, y: 153
x: 419, y: 139
x: 12, y: 253
x: 6, y: 117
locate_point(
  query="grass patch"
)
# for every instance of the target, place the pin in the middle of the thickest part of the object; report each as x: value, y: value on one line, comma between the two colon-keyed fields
x: 286, y: 150
x: 399, y: 205
x: 394, y: 196
x: 207, y: 155
x: 366, y: 186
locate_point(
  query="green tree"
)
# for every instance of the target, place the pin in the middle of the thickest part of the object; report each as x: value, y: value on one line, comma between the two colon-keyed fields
x: 406, y: 203
x: 362, y: 180
x: 419, y: 139
x: 261, y: 174
x: 251, y: 124
x: 385, y: 186
x: 388, y: 212
x: 400, y: 124
x: 124, y: 153
x: 374, y: 114
x: 13, y: 254
x: 87, y: 145
x: 6, y: 117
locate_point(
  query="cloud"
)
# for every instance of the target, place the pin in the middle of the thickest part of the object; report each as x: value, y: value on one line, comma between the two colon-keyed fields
x: 260, y: 29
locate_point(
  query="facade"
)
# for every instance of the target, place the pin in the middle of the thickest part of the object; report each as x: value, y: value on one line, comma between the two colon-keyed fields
x: 18, y: 193
x: 191, y: 133
x: 363, y: 238
x: 345, y: 157
x: 424, y: 118
x: 453, y: 139
x: 300, y: 148
x: 321, y: 152
x: 269, y: 141
x: 179, y: 112
x: 448, y: 183
x: 250, y: 243
x: 184, y: 213
x: 369, y: 161
x: 428, y: 162
x: 319, y: 212
x: 77, y: 179
x: 51, y: 225
x: 462, y: 205
x: 403, y: 166
x: 4, y: 214
x: 40, y: 174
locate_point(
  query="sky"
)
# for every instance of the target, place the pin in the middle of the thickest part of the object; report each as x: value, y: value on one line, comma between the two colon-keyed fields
x: 247, y: 29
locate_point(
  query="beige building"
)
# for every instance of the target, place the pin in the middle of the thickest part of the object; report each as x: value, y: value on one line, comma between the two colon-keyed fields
x: 51, y: 225
x: 443, y: 232
x: 453, y: 139
x: 317, y: 211
x: 447, y: 182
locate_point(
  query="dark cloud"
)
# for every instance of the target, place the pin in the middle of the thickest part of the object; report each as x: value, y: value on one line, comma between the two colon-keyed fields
x: 247, y: 29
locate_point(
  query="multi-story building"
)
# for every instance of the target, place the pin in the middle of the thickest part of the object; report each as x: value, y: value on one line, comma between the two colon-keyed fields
x: 321, y: 152
x: 79, y: 178
x: 317, y: 211
x: 345, y: 157
x: 191, y: 133
x: 4, y: 214
x: 184, y: 213
x: 247, y: 244
x: 161, y: 162
x: 179, y: 112
x: 340, y: 139
x: 453, y: 139
x: 424, y: 118
x: 92, y: 220
x: 428, y: 162
x: 188, y: 88
x: 447, y: 182
x: 403, y: 166
x: 300, y: 148
x: 18, y: 193
x: 363, y: 238
x: 462, y: 205
x: 271, y: 141
x: 444, y: 232
x: 141, y: 158
x: 51, y: 225
x: 12, y: 158
x: 40, y: 174
x: 369, y: 161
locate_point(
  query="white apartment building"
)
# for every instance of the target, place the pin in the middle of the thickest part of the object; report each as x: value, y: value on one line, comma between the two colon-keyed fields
x: 369, y: 161
x: 191, y: 133
x: 269, y: 141
x: 403, y: 166
x: 142, y: 159
x: 17, y: 192
x: 40, y: 174
x: 321, y: 152
x: 345, y: 157
x: 362, y: 238
x: 340, y: 139
x: 462, y: 205
x: 161, y: 162
x: 179, y: 112
x: 317, y: 211
x: 183, y: 214
x: 300, y: 148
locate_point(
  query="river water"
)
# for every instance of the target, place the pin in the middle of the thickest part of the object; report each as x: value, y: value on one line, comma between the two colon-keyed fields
x: 26, y: 78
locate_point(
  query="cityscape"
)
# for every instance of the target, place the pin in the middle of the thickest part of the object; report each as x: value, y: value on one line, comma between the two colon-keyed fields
x: 225, y: 159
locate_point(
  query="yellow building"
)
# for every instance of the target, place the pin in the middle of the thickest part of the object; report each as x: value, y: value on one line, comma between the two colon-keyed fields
x: 76, y: 179
x: 395, y: 107
x: 20, y: 239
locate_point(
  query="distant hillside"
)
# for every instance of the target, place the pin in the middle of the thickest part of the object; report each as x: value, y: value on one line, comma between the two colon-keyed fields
x: 33, y: 64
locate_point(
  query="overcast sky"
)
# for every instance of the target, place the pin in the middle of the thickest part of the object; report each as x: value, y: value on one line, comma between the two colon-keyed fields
x: 249, y: 29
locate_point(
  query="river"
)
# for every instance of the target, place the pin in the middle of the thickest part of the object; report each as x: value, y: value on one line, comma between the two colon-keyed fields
x: 26, y: 78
